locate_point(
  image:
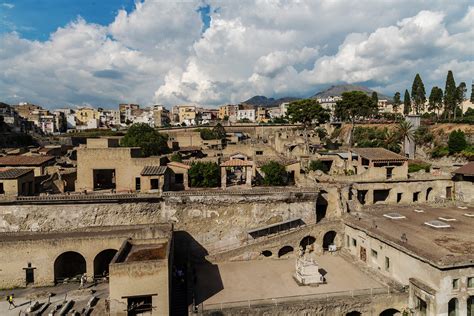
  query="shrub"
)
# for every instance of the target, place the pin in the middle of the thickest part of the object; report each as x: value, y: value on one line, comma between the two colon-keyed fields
x: 439, y: 152
x: 147, y: 138
x: 176, y: 157
x: 318, y: 165
x: 457, y: 142
x: 423, y: 136
x: 275, y: 174
x: 204, y: 174
x: 417, y: 166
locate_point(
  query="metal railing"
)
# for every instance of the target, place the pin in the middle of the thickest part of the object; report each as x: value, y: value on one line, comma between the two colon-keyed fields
x: 253, y: 191
x: 291, y: 299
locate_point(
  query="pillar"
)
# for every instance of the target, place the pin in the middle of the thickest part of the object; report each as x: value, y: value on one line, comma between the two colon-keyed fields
x: 248, y: 176
x: 186, y: 180
x: 223, y: 178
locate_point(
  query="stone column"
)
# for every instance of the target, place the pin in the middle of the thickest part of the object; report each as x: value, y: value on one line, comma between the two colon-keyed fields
x: 248, y: 176
x: 223, y: 178
x: 186, y: 180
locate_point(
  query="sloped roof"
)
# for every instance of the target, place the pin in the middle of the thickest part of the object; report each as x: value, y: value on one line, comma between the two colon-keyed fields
x: 280, y: 159
x: 13, y: 173
x: 237, y: 163
x: 153, y: 170
x: 378, y: 154
x: 25, y: 160
x: 466, y: 170
x: 179, y: 165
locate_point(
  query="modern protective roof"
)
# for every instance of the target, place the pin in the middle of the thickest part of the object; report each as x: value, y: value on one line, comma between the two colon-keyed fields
x: 466, y: 170
x: 25, y: 160
x: 237, y: 163
x: 153, y: 170
x: 13, y: 173
x: 378, y: 154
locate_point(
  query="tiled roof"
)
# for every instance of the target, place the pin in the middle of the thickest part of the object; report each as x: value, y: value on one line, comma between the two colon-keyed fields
x: 13, y: 173
x: 467, y: 170
x: 378, y: 154
x: 178, y: 164
x: 189, y: 148
x: 153, y: 170
x: 282, y: 160
x: 237, y: 163
x: 24, y: 160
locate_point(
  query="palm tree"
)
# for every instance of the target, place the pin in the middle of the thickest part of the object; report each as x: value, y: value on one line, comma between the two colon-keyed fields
x: 405, y: 132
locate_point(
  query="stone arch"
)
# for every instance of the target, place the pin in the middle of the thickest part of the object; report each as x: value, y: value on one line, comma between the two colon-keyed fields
x: 354, y: 313
x: 321, y: 207
x: 307, y: 241
x: 69, y: 264
x: 285, y: 250
x: 102, y: 261
x: 453, y: 307
x: 428, y: 191
x: 328, y: 239
x: 390, y: 312
x: 267, y: 253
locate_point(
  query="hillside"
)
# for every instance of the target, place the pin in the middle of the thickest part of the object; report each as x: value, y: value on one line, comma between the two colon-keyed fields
x: 260, y: 100
x: 338, y: 90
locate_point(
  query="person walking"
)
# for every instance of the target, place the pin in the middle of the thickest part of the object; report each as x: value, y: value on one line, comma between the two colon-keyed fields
x: 10, y: 301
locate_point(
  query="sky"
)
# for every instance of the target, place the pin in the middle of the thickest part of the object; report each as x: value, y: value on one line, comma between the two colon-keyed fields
x: 59, y: 53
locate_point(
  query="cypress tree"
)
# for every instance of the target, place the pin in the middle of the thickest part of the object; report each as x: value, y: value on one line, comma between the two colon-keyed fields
x: 418, y: 93
x: 450, y: 95
x: 406, y: 103
x: 396, y: 101
x: 375, y: 98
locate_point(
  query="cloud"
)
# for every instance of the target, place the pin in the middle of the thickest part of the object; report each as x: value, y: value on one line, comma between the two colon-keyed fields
x: 162, y: 52
x: 8, y: 5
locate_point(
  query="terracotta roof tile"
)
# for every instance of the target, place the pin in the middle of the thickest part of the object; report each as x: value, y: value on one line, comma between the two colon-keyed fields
x: 24, y: 160
x: 378, y: 154
x: 467, y: 169
x: 153, y: 170
x: 13, y: 173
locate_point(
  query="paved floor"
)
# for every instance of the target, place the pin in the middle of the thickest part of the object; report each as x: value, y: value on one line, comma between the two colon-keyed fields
x: 261, y: 279
x: 27, y: 296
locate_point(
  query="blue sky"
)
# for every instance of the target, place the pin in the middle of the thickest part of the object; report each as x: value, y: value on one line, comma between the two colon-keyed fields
x: 37, y: 19
x: 213, y: 52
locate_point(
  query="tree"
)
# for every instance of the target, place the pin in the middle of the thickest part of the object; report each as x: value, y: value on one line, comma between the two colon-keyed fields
x: 472, y: 94
x: 418, y: 94
x: 219, y: 131
x: 450, y: 95
x: 405, y: 132
x: 457, y: 142
x: 318, y: 165
x: 406, y: 103
x: 147, y: 138
x: 354, y: 104
x: 435, y: 100
x: 176, y: 157
x: 460, y: 95
x: 423, y: 136
x: 274, y: 174
x: 307, y: 112
x: 204, y: 174
x: 396, y: 101
x: 375, y: 98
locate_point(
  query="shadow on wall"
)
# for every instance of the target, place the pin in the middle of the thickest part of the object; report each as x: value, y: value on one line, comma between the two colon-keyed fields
x: 203, y: 277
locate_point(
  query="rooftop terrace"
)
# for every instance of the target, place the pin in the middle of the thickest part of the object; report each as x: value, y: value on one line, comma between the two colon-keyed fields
x: 443, y: 246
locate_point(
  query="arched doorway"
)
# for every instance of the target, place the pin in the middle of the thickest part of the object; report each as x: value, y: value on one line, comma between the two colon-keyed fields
x: 428, y: 193
x: 285, y: 250
x: 354, y: 313
x: 453, y: 307
x: 102, y: 261
x: 321, y: 208
x: 267, y: 253
x: 328, y: 239
x: 390, y: 312
x: 470, y: 306
x: 307, y: 241
x: 69, y: 264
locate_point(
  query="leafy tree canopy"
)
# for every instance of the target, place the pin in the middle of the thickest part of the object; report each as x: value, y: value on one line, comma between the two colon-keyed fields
x: 355, y: 104
x: 275, y: 174
x: 176, y: 157
x: 307, y: 112
x: 457, y: 142
x: 204, y: 175
x: 318, y: 165
x: 147, y: 138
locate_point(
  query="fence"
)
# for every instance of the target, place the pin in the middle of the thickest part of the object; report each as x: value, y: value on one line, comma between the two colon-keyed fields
x: 253, y: 191
x: 291, y: 299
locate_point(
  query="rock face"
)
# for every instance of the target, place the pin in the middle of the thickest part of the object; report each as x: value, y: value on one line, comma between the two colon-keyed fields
x: 215, y: 221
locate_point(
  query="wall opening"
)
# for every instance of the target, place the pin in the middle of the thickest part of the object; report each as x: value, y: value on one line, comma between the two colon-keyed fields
x: 267, y: 253
x: 354, y: 313
x: 69, y: 265
x: 154, y: 184
x: 307, y: 241
x: 284, y: 251
x: 140, y: 305
x: 470, y: 306
x: 420, y: 306
x: 104, y: 179
x: 328, y: 239
x: 321, y: 208
x: 390, y: 312
x: 399, y: 197
x: 416, y: 196
x: 453, y: 307
x: 102, y: 261
x: 449, y: 193
x: 381, y: 195
x: 428, y: 193
x: 361, y: 196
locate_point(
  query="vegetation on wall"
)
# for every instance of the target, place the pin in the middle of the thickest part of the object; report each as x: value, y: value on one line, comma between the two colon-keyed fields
x: 204, y: 175
x: 147, y: 138
x: 318, y: 165
x: 275, y: 174
x: 418, y: 165
x: 376, y: 137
